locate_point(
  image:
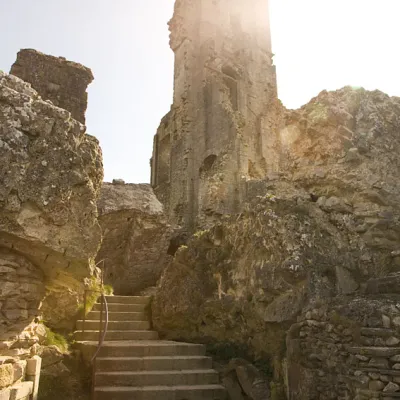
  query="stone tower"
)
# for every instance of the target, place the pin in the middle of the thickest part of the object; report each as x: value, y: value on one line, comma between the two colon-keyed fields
x: 62, y: 82
x: 216, y: 136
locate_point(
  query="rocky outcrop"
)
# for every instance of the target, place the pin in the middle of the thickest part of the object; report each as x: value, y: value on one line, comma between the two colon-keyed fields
x: 136, y: 237
x: 342, y: 149
x: 55, y: 78
x: 243, y: 282
x: 51, y: 172
x: 322, y: 232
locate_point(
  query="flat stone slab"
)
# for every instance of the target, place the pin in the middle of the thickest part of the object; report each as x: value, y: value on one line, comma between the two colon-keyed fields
x: 391, y: 372
x: 375, y: 351
x: 380, y: 332
x: 21, y: 390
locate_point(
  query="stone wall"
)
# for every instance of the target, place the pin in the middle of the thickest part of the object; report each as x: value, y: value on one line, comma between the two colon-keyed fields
x: 136, y: 237
x: 21, y: 293
x: 224, y: 87
x: 55, y: 78
x: 348, y: 349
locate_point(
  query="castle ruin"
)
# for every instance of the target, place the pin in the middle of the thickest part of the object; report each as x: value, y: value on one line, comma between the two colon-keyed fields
x: 62, y: 82
x: 215, y: 137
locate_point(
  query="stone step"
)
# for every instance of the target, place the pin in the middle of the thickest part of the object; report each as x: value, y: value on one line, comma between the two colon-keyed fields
x: 157, y: 378
x: 143, y: 348
x: 116, y: 307
x: 116, y: 335
x: 153, y: 363
x: 203, y: 392
x: 128, y: 299
x: 93, y: 325
x: 375, y: 351
x: 119, y: 316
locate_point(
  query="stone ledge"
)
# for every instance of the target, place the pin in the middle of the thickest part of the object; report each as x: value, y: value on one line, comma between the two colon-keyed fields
x: 391, y: 372
x: 375, y: 351
x: 381, y: 332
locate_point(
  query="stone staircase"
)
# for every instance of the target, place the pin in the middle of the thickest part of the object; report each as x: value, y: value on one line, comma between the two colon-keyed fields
x: 134, y: 364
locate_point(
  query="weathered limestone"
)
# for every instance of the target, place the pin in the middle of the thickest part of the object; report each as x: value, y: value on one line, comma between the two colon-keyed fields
x: 51, y: 175
x: 249, y: 273
x: 136, y: 237
x: 320, y: 237
x: 216, y: 133
x: 55, y: 78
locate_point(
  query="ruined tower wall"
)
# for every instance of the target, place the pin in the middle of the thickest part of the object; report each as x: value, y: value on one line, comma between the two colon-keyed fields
x: 224, y: 84
x: 62, y: 82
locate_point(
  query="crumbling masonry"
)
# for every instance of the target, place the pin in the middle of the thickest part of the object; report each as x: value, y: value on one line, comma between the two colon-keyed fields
x: 62, y: 82
x: 216, y: 135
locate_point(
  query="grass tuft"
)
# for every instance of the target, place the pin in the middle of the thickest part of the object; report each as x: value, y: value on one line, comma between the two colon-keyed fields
x: 56, y: 339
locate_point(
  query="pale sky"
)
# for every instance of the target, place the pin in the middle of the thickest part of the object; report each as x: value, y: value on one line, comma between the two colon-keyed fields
x: 319, y: 44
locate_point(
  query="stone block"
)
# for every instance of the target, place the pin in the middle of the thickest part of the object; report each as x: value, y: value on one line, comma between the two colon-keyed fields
x: 21, y: 391
x: 252, y: 382
x: 386, y: 321
x: 232, y: 386
x: 33, y: 374
x: 392, y: 341
x: 379, y: 363
x: 19, y: 370
x: 376, y: 385
x: 391, y: 387
x: 51, y: 355
x: 6, y: 375
x: 5, y: 394
x: 33, y: 366
x: 56, y: 79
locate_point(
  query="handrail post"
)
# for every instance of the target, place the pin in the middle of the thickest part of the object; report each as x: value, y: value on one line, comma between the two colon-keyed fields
x: 101, y: 319
x: 102, y: 332
x: 84, y: 311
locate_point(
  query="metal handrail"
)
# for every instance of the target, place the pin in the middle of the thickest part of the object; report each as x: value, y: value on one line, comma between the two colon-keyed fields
x: 102, y: 333
x: 102, y: 336
x: 86, y: 291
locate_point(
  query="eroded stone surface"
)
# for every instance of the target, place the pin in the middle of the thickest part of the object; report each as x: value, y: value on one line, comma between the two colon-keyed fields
x: 22, y: 290
x: 50, y: 177
x: 56, y: 79
x: 136, y: 237
x: 325, y: 226
x: 6, y: 375
x: 224, y: 89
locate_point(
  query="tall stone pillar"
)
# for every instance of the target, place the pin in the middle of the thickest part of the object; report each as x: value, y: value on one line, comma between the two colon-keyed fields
x: 224, y: 83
